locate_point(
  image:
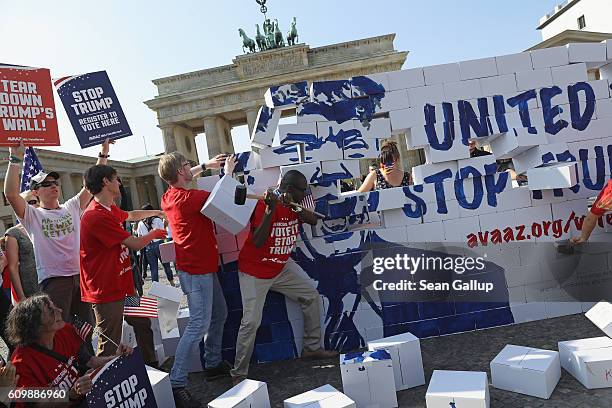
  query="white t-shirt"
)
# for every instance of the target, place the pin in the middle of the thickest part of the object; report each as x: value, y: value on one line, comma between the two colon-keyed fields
x: 156, y: 224
x: 55, y: 235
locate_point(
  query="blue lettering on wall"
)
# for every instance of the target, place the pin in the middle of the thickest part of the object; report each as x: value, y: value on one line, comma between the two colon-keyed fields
x: 495, y: 187
x: 522, y: 100
x: 500, y: 113
x: 430, y: 127
x: 438, y: 181
x: 549, y: 112
x: 469, y: 120
x: 419, y: 208
x: 581, y: 121
x: 460, y: 190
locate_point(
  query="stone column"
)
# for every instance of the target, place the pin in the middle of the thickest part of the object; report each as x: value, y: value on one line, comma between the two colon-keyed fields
x: 213, y: 141
x: 134, y: 193
x: 169, y: 140
x: 151, y: 193
x: 159, y: 186
x: 67, y: 187
x: 251, y: 115
x: 225, y: 137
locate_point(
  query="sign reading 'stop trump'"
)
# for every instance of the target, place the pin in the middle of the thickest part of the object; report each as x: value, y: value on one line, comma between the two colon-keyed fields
x: 93, y: 108
x: 27, y: 111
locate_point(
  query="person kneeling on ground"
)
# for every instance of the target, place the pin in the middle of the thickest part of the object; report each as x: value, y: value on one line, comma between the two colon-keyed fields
x: 50, y: 352
x: 263, y: 266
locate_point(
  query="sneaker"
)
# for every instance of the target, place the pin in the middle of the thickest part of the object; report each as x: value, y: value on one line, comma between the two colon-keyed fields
x: 183, y: 399
x: 320, y: 354
x: 220, y: 371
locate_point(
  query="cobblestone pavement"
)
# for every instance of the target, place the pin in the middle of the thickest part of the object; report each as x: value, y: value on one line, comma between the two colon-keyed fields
x: 467, y: 352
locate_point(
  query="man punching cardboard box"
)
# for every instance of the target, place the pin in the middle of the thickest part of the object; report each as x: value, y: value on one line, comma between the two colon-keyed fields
x: 263, y: 266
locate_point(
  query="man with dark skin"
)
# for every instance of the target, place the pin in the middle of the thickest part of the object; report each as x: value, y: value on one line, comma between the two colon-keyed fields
x: 263, y: 266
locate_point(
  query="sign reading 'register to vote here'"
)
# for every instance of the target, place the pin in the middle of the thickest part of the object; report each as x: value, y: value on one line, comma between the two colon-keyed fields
x: 27, y: 110
x: 93, y: 108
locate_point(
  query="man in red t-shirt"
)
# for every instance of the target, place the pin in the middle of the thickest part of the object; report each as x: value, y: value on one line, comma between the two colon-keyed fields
x: 106, y: 269
x: 263, y: 266
x: 602, y: 204
x: 197, y: 260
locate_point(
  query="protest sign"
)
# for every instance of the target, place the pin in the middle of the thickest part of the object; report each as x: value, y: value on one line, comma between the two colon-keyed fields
x: 122, y: 382
x: 93, y: 108
x: 27, y: 110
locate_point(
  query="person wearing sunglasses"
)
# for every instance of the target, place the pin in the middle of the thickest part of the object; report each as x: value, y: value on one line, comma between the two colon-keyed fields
x: 20, y: 256
x: 54, y: 229
x: 390, y: 174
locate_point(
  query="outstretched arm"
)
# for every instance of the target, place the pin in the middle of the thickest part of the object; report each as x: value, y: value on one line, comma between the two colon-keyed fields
x: 11, y: 181
x: 368, y: 183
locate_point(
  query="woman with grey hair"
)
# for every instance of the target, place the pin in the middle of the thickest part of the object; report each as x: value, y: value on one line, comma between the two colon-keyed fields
x: 50, y: 352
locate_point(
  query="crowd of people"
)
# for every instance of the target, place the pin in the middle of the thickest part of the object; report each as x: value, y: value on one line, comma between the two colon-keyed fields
x: 74, y: 262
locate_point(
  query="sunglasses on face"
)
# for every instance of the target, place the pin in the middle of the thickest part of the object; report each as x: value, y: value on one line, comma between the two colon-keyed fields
x: 32, y: 202
x: 49, y: 183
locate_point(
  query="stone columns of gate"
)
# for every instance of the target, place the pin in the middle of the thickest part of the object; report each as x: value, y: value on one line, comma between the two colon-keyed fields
x: 213, y: 142
x: 251, y: 115
x: 67, y: 187
x: 169, y: 139
x: 134, y: 194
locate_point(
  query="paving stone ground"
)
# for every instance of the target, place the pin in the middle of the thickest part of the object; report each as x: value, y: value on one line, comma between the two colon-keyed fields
x: 467, y: 352
x: 471, y: 351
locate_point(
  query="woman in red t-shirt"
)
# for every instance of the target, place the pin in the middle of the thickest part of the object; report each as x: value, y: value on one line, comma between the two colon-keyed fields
x: 50, y: 352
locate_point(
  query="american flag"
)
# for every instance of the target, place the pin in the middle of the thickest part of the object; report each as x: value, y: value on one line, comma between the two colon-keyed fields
x: 308, y: 201
x: 31, y: 167
x: 82, y: 327
x: 136, y: 306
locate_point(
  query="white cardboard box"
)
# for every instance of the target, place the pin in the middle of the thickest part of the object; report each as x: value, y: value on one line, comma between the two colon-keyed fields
x: 559, y: 175
x: 325, y: 396
x: 167, y: 252
x: 128, y: 337
x: 464, y: 389
x: 220, y: 206
x: 601, y: 316
x: 588, y: 360
x: 168, y: 301
x: 405, y: 351
x: 367, y: 378
x: 247, y: 394
x: 526, y: 370
x: 162, y: 390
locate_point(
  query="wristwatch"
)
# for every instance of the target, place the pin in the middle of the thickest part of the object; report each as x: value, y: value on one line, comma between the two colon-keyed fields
x: 103, y: 156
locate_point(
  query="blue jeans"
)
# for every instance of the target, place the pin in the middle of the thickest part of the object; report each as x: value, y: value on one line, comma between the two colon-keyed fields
x: 152, y: 255
x: 207, y: 313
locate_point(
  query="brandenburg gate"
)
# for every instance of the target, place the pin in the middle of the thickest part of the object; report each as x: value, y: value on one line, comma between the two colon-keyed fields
x: 214, y: 100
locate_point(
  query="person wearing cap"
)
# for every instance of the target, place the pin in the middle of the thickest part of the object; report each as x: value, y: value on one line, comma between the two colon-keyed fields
x: 20, y: 256
x: 54, y: 230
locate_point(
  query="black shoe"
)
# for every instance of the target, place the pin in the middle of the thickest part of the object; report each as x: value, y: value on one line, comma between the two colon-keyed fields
x: 183, y: 399
x: 220, y: 371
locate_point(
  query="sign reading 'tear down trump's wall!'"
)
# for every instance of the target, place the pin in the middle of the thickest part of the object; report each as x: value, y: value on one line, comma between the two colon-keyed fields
x: 27, y: 111
x: 93, y: 108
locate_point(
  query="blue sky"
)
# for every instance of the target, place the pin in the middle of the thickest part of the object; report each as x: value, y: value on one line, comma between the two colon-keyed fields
x: 137, y: 41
